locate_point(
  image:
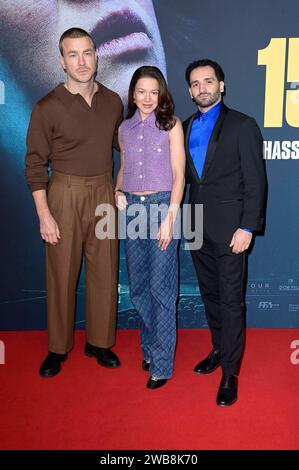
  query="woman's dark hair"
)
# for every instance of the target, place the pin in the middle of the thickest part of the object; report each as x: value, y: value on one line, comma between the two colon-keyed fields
x: 165, y: 119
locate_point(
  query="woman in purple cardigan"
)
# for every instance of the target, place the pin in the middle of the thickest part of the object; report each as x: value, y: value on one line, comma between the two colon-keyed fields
x: 150, y: 185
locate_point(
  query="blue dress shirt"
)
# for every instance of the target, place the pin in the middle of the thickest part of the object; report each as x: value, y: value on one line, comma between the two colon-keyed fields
x: 201, y: 131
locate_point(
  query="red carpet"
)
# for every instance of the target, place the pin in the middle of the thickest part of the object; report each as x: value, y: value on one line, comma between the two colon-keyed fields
x: 90, y: 407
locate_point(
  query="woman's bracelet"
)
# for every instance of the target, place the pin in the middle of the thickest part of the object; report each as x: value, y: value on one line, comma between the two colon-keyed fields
x: 118, y: 190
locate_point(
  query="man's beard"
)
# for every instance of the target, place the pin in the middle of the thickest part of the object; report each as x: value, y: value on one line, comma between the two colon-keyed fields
x: 211, y: 99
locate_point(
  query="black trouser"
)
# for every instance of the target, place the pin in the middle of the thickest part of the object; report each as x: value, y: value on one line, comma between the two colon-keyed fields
x: 220, y: 276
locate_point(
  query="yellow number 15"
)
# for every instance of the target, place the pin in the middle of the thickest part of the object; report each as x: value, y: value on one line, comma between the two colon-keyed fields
x: 274, y: 57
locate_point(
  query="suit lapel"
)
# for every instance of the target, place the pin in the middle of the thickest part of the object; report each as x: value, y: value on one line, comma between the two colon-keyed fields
x: 189, y: 157
x: 214, y: 141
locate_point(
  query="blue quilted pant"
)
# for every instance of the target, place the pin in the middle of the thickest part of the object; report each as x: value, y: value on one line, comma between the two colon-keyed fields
x: 153, y: 280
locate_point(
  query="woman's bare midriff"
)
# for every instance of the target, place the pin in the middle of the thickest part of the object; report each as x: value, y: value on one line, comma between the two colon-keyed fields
x: 143, y: 193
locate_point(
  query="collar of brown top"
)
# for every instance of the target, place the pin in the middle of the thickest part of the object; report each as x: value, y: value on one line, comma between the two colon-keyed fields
x: 69, y: 98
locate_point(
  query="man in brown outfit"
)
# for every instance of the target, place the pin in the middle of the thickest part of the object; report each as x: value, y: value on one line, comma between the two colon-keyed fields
x: 74, y: 127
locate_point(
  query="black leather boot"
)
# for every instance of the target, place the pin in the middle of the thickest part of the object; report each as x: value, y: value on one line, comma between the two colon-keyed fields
x: 104, y: 356
x: 227, y: 393
x: 52, y: 364
x: 209, y: 364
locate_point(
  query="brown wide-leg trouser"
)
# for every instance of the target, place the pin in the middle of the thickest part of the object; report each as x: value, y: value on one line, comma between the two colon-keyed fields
x: 72, y: 201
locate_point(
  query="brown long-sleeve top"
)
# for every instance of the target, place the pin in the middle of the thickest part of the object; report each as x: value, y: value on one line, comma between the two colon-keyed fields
x: 76, y: 138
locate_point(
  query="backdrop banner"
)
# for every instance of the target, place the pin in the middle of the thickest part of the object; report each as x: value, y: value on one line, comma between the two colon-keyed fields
x: 257, y: 44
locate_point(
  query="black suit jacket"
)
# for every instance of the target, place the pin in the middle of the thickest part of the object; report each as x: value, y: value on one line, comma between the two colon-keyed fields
x: 232, y: 187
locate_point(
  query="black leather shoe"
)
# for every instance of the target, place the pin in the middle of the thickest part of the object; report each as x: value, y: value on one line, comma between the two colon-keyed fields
x: 145, y: 365
x: 154, y: 382
x: 209, y: 364
x: 227, y: 393
x: 52, y: 364
x: 104, y: 356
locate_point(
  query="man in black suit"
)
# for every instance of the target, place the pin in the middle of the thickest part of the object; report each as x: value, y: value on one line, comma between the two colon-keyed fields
x: 226, y: 173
